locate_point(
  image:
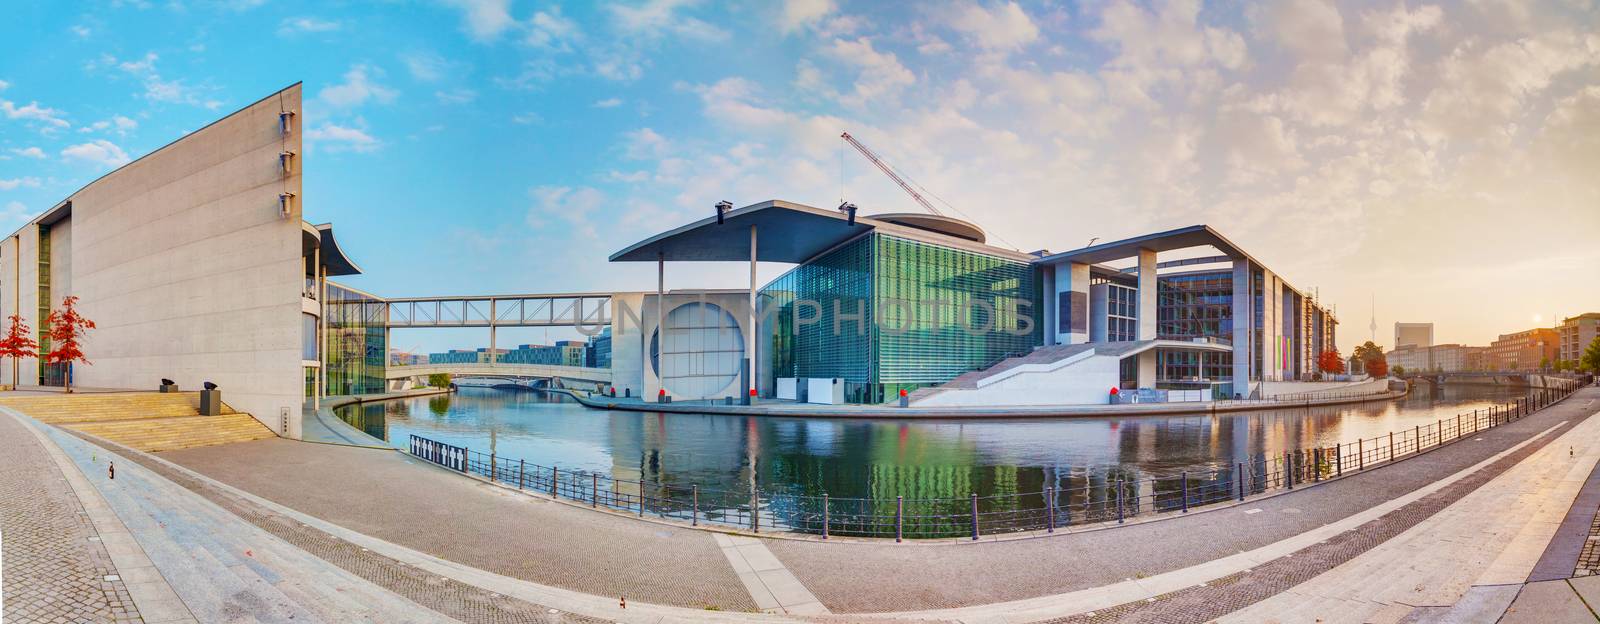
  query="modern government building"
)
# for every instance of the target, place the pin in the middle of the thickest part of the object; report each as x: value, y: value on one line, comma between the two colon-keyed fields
x: 197, y: 265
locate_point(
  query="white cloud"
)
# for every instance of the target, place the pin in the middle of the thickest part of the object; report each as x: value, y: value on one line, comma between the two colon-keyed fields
x: 7, y: 185
x: 645, y: 144
x: 4, y: 85
x: 662, y: 17
x: 1312, y: 29
x: 118, y: 123
x: 564, y: 205
x: 357, y: 88
x: 1485, y: 87
x: 456, y: 96
x: 798, y: 14
x: 610, y: 102
x: 156, y: 88
x: 29, y: 152
x: 49, y: 116
x: 15, y: 213
x: 426, y: 66
x: 81, y: 31
x: 548, y: 29
x: 1004, y: 26
x: 881, y: 73
x: 527, y: 118
x: 484, y: 20
x: 337, y: 138
x: 291, y: 26
x: 99, y: 151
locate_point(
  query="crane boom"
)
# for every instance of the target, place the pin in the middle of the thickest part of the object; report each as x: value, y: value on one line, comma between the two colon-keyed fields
x: 882, y: 166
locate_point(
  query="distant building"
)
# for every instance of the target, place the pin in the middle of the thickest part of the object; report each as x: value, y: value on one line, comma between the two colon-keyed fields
x: 1575, y: 334
x: 1413, y: 335
x: 1524, y: 350
x: 401, y: 358
x: 598, y: 355
x: 572, y: 352
x: 466, y: 356
x: 1445, y: 358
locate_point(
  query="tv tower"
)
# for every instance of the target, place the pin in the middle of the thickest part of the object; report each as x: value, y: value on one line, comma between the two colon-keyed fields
x: 1374, y: 326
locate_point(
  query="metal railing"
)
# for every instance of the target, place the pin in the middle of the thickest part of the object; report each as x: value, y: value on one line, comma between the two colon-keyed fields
x: 1105, y: 499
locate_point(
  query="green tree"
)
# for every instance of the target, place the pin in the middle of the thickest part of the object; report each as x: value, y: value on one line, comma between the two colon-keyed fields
x: 1399, y: 370
x: 1591, y: 357
x: 1544, y: 364
x: 439, y: 380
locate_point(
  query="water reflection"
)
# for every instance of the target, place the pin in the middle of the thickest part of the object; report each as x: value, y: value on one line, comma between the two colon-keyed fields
x: 880, y: 459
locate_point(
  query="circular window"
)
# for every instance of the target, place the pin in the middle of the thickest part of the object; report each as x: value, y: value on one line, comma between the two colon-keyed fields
x: 704, y: 351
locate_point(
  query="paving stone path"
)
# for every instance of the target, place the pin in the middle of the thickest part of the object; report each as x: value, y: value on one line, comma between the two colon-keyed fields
x: 1589, y: 558
x: 1230, y: 594
x: 450, y: 597
x: 56, y: 569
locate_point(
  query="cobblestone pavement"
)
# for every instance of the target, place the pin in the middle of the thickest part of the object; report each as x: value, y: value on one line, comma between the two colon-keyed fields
x: 56, y: 569
x: 452, y: 598
x: 1589, y: 558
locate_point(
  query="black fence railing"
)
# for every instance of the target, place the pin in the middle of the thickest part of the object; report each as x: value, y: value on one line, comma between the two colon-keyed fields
x: 1104, y: 499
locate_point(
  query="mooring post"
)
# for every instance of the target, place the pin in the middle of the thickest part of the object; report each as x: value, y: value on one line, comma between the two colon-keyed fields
x: 1238, y: 475
x: 1050, y: 509
x: 899, y: 512
x: 594, y: 489
x: 974, y: 516
x: 522, y: 465
x: 825, y: 516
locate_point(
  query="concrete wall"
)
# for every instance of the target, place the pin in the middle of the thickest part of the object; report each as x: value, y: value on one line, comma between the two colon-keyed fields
x: 1279, y: 388
x: 189, y: 270
x: 19, y: 294
x: 737, y: 304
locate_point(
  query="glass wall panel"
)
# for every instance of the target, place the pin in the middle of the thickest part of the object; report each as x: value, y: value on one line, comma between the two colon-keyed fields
x: 356, y: 347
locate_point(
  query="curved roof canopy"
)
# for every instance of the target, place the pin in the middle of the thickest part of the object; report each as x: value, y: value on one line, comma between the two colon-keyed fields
x: 332, y: 256
x: 794, y: 233
x: 935, y: 223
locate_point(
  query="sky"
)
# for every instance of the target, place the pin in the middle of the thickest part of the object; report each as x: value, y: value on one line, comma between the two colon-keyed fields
x: 1429, y: 161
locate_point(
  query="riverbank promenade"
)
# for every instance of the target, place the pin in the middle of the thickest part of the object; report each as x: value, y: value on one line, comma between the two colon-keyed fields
x: 1496, y: 527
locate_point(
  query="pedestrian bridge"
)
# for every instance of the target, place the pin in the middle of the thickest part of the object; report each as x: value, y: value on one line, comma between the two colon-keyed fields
x: 502, y: 370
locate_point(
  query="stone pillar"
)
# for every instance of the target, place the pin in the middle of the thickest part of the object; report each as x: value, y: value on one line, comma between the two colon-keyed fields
x: 1070, y: 297
x: 1147, y: 297
x: 1243, y: 336
x: 1147, y: 369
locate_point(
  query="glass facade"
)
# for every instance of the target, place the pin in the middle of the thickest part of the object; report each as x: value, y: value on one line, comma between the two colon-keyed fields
x: 1195, y: 305
x: 1122, y: 313
x: 886, y: 313
x: 356, y: 347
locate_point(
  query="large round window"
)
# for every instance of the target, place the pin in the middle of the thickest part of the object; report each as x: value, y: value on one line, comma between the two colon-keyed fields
x: 703, y: 353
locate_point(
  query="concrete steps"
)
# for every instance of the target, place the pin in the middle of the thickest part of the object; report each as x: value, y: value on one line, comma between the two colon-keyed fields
x: 95, y: 407
x: 167, y: 434
x: 147, y: 421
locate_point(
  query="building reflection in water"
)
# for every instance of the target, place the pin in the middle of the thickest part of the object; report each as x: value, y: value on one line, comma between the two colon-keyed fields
x: 879, y: 459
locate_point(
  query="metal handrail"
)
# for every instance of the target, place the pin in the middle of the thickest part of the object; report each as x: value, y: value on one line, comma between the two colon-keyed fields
x: 1111, y: 500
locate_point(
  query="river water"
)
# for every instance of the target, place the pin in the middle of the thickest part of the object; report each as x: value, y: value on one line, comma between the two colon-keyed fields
x: 884, y: 457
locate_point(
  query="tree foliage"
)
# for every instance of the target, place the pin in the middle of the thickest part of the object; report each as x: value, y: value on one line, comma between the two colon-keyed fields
x: 1378, y: 368
x: 439, y: 380
x: 1330, y: 362
x: 67, y: 330
x: 1373, y: 359
x: 18, y: 342
x: 1591, y: 357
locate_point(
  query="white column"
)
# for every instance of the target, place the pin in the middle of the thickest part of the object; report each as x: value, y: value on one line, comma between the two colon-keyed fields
x: 1070, y: 299
x: 750, y: 327
x: 661, y: 330
x: 1242, y: 334
x: 1147, y: 296
x: 320, y: 284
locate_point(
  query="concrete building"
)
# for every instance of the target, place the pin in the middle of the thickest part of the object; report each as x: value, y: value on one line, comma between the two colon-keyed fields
x: 1413, y: 335
x: 598, y: 355
x: 1524, y: 350
x: 195, y: 264
x: 1576, y: 334
x: 885, y: 304
x: 1446, y: 358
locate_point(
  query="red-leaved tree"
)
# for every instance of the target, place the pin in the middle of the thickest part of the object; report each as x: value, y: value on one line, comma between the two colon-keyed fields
x: 1377, y: 367
x: 17, y: 344
x: 67, y: 327
x: 1330, y: 362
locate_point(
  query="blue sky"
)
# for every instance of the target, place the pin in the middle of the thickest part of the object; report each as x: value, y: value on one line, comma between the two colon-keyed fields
x: 1428, y: 154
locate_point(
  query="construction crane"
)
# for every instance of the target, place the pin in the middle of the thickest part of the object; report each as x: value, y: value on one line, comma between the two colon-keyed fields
x: 883, y: 166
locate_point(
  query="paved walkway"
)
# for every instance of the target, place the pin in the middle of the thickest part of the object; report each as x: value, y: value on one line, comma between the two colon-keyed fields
x: 56, y: 568
x: 605, y: 554
x: 1491, y: 538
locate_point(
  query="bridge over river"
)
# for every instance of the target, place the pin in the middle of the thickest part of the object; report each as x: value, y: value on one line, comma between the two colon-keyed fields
x: 519, y: 374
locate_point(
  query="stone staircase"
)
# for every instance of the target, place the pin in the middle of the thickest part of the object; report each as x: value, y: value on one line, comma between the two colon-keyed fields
x: 1041, y: 355
x: 147, y: 421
